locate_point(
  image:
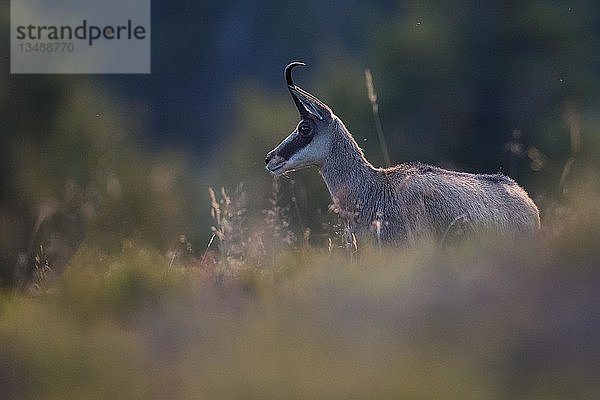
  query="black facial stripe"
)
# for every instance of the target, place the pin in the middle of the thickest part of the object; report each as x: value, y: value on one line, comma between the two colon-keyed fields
x: 294, y: 146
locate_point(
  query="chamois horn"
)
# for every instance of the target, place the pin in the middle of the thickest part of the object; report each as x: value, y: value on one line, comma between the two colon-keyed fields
x: 290, y: 82
x: 288, y: 71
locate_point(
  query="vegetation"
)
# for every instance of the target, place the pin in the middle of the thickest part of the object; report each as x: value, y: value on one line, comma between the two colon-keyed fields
x: 483, y: 319
x: 133, y: 263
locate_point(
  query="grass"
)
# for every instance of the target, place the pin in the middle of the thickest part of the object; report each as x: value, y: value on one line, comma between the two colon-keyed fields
x: 481, y: 320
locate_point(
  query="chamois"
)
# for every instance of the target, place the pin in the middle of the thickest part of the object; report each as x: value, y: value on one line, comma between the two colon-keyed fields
x: 407, y: 202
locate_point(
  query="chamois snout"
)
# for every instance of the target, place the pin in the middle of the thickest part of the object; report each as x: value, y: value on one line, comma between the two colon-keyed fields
x: 275, y: 163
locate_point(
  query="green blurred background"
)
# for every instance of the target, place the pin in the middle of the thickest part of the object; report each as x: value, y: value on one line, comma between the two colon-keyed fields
x: 505, y: 86
x: 108, y: 291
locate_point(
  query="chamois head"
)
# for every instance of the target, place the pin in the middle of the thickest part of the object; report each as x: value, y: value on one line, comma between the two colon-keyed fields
x: 310, y: 142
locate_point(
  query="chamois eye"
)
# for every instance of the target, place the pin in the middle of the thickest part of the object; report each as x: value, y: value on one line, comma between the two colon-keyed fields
x: 304, y: 129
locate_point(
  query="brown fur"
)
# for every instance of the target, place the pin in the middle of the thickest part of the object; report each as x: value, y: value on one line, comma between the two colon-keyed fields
x: 416, y: 201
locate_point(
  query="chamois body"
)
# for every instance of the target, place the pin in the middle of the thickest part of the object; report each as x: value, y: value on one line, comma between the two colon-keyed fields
x: 416, y: 201
x: 405, y: 203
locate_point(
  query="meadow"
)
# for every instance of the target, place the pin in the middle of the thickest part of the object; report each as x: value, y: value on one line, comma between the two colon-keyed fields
x: 481, y: 319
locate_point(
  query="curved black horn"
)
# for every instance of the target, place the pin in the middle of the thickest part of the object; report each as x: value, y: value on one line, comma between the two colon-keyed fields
x: 288, y: 71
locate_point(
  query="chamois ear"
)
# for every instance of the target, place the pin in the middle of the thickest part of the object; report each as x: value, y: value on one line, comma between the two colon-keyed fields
x: 310, y: 103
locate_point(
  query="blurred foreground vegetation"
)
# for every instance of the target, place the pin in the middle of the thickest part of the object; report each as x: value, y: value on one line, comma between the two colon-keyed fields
x: 484, y: 320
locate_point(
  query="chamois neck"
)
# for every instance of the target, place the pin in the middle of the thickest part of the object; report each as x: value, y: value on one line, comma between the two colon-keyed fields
x: 346, y: 171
